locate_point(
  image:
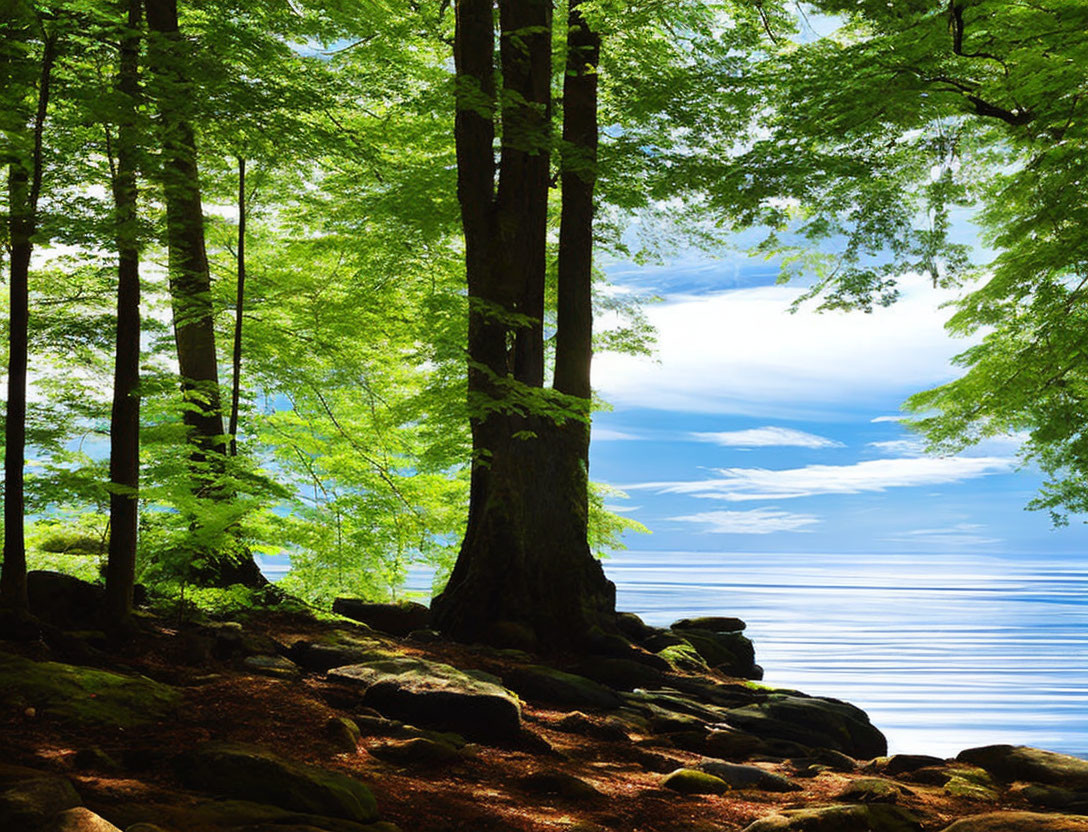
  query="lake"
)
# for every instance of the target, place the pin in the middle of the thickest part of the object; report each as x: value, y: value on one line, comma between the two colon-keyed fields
x: 944, y: 651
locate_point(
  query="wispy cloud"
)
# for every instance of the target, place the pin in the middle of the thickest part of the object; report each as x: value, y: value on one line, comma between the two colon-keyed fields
x: 880, y: 419
x: 961, y: 534
x: 743, y: 484
x: 757, y: 521
x: 610, y: 435
x: 902, y: 447
x: 767, y: 437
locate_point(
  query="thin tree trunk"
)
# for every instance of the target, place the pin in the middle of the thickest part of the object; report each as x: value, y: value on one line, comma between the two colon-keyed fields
x: 125, y: 417
x: 190, y: 287
x: 24, y: 188
x: 236, y: 369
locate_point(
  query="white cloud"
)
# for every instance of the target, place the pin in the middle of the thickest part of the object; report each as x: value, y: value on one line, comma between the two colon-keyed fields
x: 743, y: 484
x: 903, y: 447
x: 758, y: 521
x: 741, y: 352
x: 961, y: 534
x: 768, y: 437
x: 879, y: 419
x: 610, y: 435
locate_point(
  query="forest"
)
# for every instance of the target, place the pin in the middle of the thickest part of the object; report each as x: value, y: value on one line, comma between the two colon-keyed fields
x: 324, y: 281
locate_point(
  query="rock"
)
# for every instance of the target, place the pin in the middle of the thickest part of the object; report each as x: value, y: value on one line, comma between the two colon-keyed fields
x: 634, y: 627
x: 873, y: 790
x: 732, y: 744
x: 79, y: 820
x: 1019, y: 822
x: 396, y: 619
x: 877, y: 817
x: 1052, y: 797
x: 231, y: 640
x: 684, y: 657
x: 693, y: 781
x: 343, y: 733
x: 609, y: 729
x: 558, y: 783
x: 731, y: 653
x: 436, y: 696
x: 275, y: 666
x: 713, y: 623
x: 235, y: 815
x: 83, y: 695
x: 828, y: 758
x: 554, y: 687
x: 1020, y: 762
x: 419, y: 751
x: 621, y: 674
x: 254, y: 774
x: 29, y: 798
x: 63, y: 600
x: 748, y: 777
x: 811, y: 721
x: 904, y: 763
x: 971, y: 782
x: 425, y: 636
x: 337, y: 649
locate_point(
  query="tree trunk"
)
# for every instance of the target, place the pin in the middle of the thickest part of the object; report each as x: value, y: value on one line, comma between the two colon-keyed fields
x: 125, y: 416
x: 236, y: 368
x: 525, y: 574
x: 24, y: 188
x: 190, y: 286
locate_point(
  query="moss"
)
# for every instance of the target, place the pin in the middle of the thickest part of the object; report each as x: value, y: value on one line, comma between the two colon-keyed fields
x: 82, y: 694
x: 683, y: 657
x: 690, y: 781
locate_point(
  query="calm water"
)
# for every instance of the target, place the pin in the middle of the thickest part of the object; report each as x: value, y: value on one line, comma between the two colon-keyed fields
x: 944, y: 652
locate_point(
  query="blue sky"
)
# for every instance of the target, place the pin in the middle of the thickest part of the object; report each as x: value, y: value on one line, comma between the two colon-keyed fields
x: 757, y: 430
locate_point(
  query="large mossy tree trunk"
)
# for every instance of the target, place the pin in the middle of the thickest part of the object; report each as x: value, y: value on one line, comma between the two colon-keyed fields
x: 525, y: 574
x: 24, y: 189
x: 190, y: 286
x: 125, y: 414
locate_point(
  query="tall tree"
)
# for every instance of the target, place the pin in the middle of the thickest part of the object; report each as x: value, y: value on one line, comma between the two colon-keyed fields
x: 525, y: 573
x: 190, y: 282
x: 125, y: 415
x: 25, y: 170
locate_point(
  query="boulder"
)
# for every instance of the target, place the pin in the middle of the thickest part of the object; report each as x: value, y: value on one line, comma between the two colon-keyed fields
x: 731, y: 653
x: 79, y: 820
x: 1053, y: 797
x: 83, y: 695
x: 235, y: 815
x: 64, y: 600
x: 558, y: 783
x: 904, y: 763
x: 343, y: 733
x: 275, y: 666
x: 684, y: 657
x: 608, y: 729
x: 255, y: 774
x: 713, y: 623
x: 436, y: 696
x: 29, y: 798
x: 418, y: 751
x: 748, y: 777
x: 397, y: 619
x: 971, y: 782
x: 873, y: 790
x: 693, y: 781
x: 1020, y: 762
x: 877, y: 817
x: 554, y: 687
x: 621, y: 674
x: 634, y: 627
x: 323, y: 656
x: 811, y: 721
x: 1019, y: 822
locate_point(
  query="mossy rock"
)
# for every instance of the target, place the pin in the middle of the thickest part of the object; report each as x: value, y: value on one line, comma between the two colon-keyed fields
x: 1019, y: 822
x: 558, y: 783
x: 811, y: 721
x: 748, y: 777
x: 1034, y: 765
x: 234, y: 815
x: 418, y: 751
x: 683, y: 657
x: 692, y: 781
x: 877, y: 817
x: 28, y: 798
x: 251, y: 773
x: 79, y: 819
x: 84, y: 695
x: 538, y: 683
x: 873, y: 790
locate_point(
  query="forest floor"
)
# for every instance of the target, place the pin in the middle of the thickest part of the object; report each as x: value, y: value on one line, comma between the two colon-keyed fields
x: 603, y: 769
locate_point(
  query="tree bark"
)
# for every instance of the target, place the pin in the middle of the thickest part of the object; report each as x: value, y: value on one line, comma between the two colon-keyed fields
x: 525, y: 574
x: 190, y: 286
x: 125, y: 416
x: 240, y: 296
x: 24, y: 188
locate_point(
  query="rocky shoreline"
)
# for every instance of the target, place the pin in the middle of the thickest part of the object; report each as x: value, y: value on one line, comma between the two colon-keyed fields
x: 287, y: 723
